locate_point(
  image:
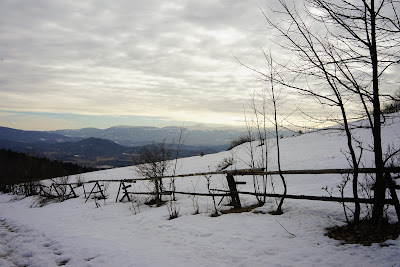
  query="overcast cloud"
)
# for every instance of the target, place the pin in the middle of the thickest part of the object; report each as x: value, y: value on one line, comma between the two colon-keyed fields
x: 154, y: 58
x: 171, y: 60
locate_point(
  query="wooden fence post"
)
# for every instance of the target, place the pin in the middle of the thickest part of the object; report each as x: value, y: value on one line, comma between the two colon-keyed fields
x: 126, y: 193
x: 233, y: 191
x: 94, y: 192
x: 391, y: 185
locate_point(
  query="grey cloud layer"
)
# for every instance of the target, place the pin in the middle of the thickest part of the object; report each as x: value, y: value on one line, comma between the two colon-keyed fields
x: 111, y: 56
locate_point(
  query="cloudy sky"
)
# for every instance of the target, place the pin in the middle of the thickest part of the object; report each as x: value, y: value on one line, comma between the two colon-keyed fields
x: 70, y: 64
x: 93, y: 63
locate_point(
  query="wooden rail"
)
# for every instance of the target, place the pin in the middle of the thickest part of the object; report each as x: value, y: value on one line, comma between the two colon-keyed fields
x: 308, y: 197
x: 259, y: 171
x: 318, y: 171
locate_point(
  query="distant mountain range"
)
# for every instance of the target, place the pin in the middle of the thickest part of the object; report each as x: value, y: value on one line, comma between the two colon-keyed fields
x: 198, y: 135
x: 32, y: 136
x: 114, y: 146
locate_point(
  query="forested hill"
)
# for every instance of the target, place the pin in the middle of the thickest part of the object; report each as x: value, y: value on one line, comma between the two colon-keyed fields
x: 17, y: 167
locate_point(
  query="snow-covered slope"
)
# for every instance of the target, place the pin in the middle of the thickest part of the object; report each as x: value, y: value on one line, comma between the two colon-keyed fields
x: 76, y: 233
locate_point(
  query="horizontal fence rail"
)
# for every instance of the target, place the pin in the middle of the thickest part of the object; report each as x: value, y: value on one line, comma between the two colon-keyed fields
x: 308, y: 197
x: 318, y: 171
x: 259, y: 171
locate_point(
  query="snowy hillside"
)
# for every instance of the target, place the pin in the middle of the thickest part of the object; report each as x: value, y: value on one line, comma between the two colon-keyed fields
x: 79, y: 233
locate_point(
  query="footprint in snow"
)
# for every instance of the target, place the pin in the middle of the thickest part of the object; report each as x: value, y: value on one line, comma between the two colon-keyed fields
x: 63, y: 261
x: 57, y: 252
x: 47, y: 244
x: 28, y: 254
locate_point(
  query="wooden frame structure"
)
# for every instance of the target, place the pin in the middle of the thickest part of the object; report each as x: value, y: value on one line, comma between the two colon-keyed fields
x: 55, y: 191
x: 233, y: 192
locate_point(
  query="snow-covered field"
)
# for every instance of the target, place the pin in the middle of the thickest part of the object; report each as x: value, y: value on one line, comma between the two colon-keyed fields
x: 75, y: 233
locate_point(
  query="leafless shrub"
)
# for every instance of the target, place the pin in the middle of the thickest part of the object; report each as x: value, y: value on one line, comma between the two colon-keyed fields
x: 96, y: 202
x: 30, y: 188
x: 135, y: 208
x: 61, y: 187
x: 240, y: 140
x: 341, y: 186
x: 393, y: 105
x: 178, y: 144
x: 42, y: 201
x: 79, y: 179
x: 225, y: 163
x: 256, y: 125
x: 137, y: 201
x: 366, y: 184
x: 195, y: 198
x: 5, y: 188
x: 173, y: 208
x: 215, y: 213
x: 392, y: 156
x: 104, y: 188
x: 153, y: 162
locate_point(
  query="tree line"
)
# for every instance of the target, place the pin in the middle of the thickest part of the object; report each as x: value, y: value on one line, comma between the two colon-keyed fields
x: 16, y: 167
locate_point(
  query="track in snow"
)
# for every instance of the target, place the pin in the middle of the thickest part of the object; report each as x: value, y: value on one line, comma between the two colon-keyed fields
x: 20, y: 246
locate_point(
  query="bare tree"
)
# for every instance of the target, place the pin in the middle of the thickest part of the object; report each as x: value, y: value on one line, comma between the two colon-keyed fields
x: 264, y: 114
x: 250, y: 149
x: 278, y: 153
x: 261, y: 120
x: 344, y: 50
x: 178, y: 143
x: 153, y: 162
x: 173, y: 208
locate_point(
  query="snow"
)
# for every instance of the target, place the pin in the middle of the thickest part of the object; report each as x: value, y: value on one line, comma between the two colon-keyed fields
x: 79, y: 233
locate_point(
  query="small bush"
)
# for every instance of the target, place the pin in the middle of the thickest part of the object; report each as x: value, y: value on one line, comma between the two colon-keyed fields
x: 240, y: 140
x: 225, y: 163
x: 394, y: 105
x: 364, y: 233
x: 154, y: 161
x: 391, y: 108
x: 173, y: 209
x: 79, y: 180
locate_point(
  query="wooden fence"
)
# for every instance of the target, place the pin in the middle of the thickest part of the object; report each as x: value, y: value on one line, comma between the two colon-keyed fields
x: 234, y: 194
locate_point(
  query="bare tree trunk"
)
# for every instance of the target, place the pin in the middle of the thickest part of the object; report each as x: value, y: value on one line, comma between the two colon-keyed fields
x: 380, y: 189
x: 357, y: 208
x: 181, y: 140
x: 279, y: 209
